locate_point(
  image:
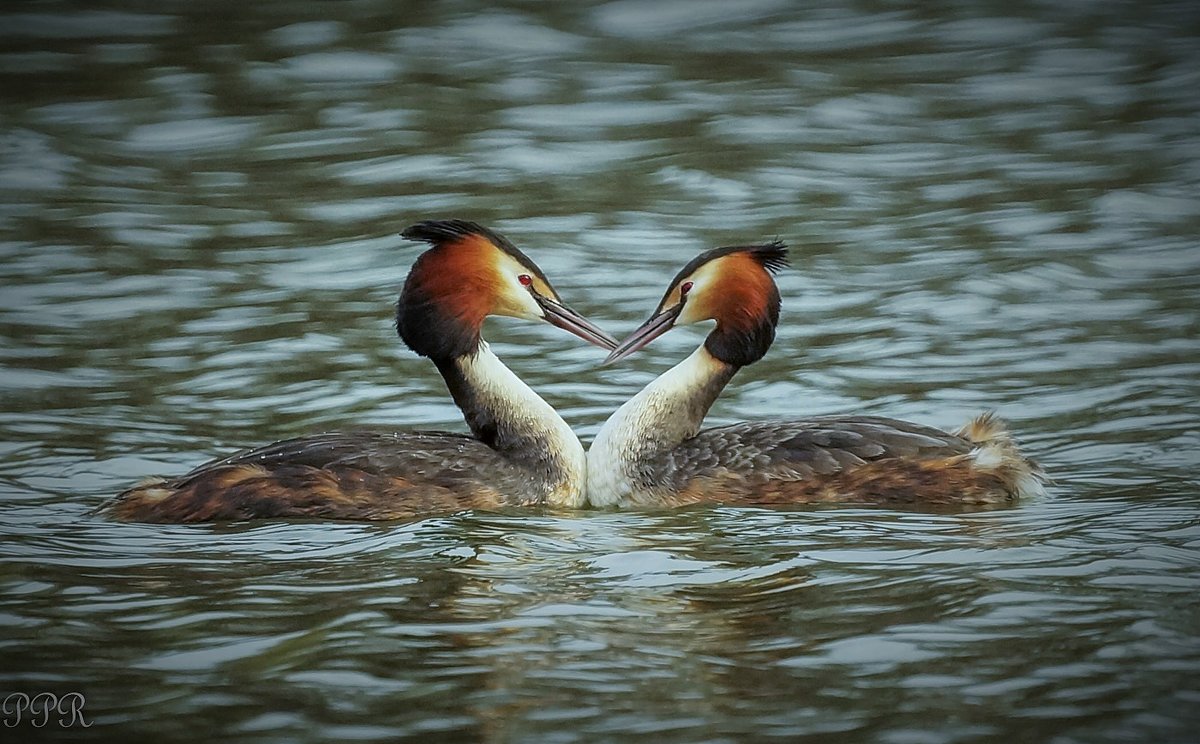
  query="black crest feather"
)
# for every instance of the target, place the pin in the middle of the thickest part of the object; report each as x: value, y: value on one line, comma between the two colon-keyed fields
x: 437, y: 232
x: 771, y: 256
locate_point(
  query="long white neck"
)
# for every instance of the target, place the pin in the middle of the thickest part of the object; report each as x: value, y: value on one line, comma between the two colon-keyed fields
x: 510, y: 417
x: 649, y: 425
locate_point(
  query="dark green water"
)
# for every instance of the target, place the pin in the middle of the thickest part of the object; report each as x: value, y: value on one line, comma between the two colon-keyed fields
x: 991, y: 205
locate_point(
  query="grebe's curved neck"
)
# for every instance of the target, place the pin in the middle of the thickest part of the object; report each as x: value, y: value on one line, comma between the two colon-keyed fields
x: 665, y: 413
x: 507, y: 415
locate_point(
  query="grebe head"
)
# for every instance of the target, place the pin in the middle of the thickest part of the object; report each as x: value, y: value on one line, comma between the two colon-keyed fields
x: 469, y: 274
x: 730, y: 285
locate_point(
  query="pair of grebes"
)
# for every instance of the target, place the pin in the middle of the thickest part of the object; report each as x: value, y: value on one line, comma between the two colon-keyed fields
x: 651, y: 452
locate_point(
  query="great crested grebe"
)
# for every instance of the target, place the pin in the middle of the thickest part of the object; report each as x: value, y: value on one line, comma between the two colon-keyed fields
x: 522, y: 452
x: 652, y: 452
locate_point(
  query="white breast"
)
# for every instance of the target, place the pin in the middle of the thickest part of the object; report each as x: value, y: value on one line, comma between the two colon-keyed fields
x: 526, y: 409
x: 655, y: 420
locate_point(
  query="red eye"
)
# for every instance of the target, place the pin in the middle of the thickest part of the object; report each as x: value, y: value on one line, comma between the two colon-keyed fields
x: 525, y: 279
x: 685, y: 288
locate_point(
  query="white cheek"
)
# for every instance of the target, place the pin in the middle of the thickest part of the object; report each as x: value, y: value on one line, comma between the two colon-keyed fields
x: 518, y: 302
x: 515, y: 299
x: 694, y: 309
x: 690, y: 314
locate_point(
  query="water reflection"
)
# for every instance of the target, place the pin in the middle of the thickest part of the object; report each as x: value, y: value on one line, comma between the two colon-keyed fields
x: 988, y: 207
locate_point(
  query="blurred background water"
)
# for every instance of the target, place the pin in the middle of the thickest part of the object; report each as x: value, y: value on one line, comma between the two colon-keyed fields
x: 990, y: 205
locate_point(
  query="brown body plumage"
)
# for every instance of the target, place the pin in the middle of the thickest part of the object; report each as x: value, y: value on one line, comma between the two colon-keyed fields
x: 520, y: 452
x: 840, y: 459
x: 652, y: 452
x: 351, y: 475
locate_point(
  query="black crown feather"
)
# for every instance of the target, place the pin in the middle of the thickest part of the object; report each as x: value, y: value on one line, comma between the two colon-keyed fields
x: 441, y: 231
x: 771, y: 256
x: 436, y: 232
